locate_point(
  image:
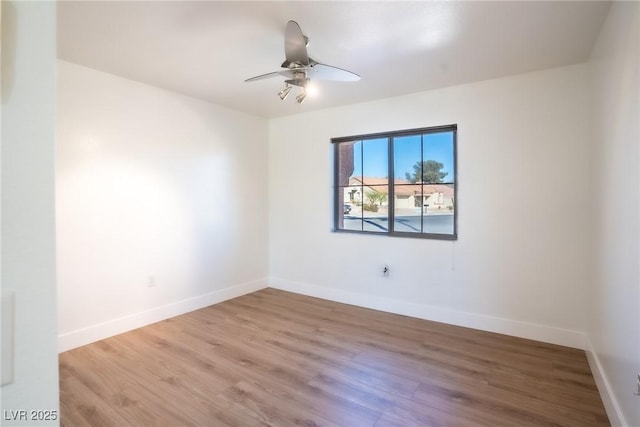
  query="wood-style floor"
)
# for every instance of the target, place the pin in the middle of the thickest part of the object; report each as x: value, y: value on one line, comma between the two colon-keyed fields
x: 281, y: 359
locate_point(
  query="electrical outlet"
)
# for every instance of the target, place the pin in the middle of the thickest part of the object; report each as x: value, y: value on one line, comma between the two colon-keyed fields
x: 637, y: 393
x: 151, y: 281
x: 385, y: 271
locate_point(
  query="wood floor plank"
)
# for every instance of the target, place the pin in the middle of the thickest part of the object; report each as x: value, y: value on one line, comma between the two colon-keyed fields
x: 375, y: 378
x: 587, y: 401
x: 271, y: 408
x: 83, y: 408
x: 395, y: 408
x: 273, y: 358
x: 129, y: 397
x: 492, y: 406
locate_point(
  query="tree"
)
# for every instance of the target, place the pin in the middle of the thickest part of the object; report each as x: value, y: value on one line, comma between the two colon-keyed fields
x: 427, y: 171
x: 375, y: 199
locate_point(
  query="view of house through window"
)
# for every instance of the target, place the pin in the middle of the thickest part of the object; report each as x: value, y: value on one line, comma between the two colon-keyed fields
x: 399, y: 183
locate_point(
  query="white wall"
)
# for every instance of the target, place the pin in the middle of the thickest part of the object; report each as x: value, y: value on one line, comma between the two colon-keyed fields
x: 28, y: 261
x: 152, y: 187
x: 520, y: 263
x: 614, y: 314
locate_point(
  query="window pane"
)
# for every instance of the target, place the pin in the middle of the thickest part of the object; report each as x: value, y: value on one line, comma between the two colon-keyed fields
x: 375, y: 158
x: 408, y: 208
x: 438, y: 157
x: 375, y: 208
x: 352, y: 215
x: 349, y: 162
x: 439, y: 210
x: 407, y: 152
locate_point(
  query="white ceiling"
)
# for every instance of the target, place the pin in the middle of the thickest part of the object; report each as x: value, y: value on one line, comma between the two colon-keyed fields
x: 206, y: 49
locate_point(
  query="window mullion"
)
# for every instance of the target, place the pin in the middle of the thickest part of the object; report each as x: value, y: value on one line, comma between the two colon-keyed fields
x: 422, y: 209
x: 362, y: 185
x: 391, y: 189
x: 336, y: 180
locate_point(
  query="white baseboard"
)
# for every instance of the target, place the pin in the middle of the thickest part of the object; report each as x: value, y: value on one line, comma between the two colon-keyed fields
x: 616, y: 418
x: 544, y: 333
x: 93, y: 333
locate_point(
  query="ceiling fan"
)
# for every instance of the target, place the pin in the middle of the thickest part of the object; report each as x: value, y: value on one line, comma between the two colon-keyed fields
x: 299, y: 68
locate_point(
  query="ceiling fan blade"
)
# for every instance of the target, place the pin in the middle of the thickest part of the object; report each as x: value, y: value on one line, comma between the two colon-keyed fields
x: 285, y: 73
x: 295, y: 44
x: 263, y: 76
x: 328, y: 72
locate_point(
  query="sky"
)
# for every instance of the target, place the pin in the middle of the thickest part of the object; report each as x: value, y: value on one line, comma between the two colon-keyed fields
x: 407, y: 151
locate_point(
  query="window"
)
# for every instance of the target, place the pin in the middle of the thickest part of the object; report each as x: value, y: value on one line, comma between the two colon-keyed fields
x: 398, y: 183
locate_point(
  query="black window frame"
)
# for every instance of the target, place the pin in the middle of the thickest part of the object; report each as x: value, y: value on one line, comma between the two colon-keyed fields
x: 390, y: 136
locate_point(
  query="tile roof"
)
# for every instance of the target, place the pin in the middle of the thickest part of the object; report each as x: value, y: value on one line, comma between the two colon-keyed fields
x: 403, y: 187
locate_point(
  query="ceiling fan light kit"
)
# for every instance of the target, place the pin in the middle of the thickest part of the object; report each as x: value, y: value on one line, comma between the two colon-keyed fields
x: 285, y: 92
x: 299, y: 67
